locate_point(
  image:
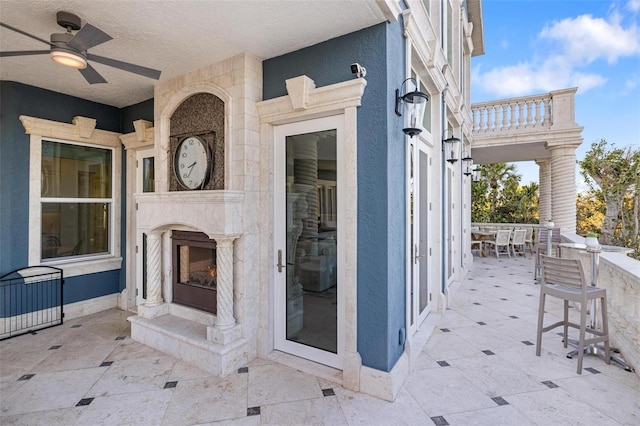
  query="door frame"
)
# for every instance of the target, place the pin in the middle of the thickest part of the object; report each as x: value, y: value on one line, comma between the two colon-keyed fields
x: 141, y: 153
x: 279, y: 214
x: 414, y: 183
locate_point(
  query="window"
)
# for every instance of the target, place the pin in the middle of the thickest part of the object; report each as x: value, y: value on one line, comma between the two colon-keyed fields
x: 427, y: 6
x: 76, y: 200
x: 74, y: 195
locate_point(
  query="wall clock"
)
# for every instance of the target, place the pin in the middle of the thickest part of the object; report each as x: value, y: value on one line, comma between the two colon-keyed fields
x: 192, y: 163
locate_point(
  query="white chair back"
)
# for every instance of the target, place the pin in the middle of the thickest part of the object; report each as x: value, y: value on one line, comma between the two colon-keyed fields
x: 502, y: 237
x: 518, y: 237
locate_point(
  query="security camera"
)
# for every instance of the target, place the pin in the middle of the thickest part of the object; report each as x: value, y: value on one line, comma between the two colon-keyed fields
x: 358, y: 70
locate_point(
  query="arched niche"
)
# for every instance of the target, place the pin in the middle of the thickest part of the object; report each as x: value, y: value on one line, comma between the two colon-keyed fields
x: 202, y: 115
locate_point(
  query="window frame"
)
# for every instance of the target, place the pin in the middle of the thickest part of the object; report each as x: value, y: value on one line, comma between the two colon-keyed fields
x: 81, y: 132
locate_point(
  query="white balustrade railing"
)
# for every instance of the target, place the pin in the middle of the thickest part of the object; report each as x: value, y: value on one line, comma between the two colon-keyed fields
x: 514, y: 113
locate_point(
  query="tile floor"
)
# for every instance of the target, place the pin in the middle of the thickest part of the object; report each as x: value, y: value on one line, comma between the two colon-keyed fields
x: 478, y: 368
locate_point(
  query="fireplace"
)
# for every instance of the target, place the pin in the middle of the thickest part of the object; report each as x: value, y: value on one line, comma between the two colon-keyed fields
x: 194, y: 270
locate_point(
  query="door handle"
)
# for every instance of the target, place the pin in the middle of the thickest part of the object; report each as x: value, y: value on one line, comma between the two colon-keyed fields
x: 416, y: 255
x: 280, y: 265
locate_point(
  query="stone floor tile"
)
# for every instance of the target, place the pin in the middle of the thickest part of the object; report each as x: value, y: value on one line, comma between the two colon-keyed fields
x: 49, y: 391
x: 504, y: 415
x: 444, y: 391
x: 76, y: 357
x: 486, y: 338
x: 558, y: 407
x: 272, y: 384
x: 362, y: 409
x: 496, y: 378
x: 137, y: 408
x: 59, y: 417
x: 316, y: 411
x: 449, y: 346
x: 136, y: 375
x: 184, y: 371
x: 621, y: 403
x: 208, y: 400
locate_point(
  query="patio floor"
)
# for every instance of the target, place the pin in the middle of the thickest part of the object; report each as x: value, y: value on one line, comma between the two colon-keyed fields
x: 478, y: 368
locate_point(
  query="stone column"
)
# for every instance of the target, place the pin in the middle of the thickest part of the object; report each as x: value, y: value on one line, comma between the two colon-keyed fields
x: 544, y: 188
x: 154, y: 305
x: 563, y: 186
x: 225, y: 329
x: 224, y: 266
x: 154, y: 272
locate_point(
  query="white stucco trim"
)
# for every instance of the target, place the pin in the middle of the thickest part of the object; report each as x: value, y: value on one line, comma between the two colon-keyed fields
x: 81, y: 130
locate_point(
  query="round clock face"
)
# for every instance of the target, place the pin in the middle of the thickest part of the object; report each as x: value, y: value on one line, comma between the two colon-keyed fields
x: 192, y: 163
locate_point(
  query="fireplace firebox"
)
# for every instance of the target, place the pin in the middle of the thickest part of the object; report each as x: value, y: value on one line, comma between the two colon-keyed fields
x: 194, y: 270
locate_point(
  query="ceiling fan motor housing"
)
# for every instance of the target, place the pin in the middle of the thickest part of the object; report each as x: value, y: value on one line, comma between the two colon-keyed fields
x: 68, y: 20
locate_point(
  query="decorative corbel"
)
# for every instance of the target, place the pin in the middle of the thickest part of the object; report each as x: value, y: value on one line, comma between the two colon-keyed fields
x: 84, y: 126
x: 298, y: 89
x: 141, y: 127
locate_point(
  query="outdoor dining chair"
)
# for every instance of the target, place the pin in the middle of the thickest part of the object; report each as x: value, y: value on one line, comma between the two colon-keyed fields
x: 476, y: 246
x: 528, y: 240
x: 501, y: 244
x: 564, y: 279
x: 517, y: 242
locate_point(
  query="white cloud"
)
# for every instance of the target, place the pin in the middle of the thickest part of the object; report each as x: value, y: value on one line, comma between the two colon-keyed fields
x: 633, y: 5
x: 526, y: 78
x: 564, y: 52
x: 585, y: 39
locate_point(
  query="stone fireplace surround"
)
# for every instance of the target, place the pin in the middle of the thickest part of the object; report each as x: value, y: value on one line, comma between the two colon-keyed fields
x: 222, y: 342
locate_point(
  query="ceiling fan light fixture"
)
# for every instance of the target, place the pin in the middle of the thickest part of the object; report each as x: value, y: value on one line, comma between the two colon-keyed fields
x: 68, y: 58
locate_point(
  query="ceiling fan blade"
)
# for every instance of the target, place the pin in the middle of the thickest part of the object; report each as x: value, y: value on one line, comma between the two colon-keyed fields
x: 88, y: 37
x: 2, y: 24
x: 125, y: 66
x: 24, y: 53
x: 91, y: 75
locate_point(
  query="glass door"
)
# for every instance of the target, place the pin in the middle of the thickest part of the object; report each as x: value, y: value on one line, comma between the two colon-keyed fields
x: 309, y: 307
x: 419, y: 233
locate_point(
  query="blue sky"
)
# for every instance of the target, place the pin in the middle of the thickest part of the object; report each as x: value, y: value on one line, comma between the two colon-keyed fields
x: 536, y: 46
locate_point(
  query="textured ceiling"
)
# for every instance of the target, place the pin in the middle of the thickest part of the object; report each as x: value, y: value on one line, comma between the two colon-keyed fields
x: 174, y: 37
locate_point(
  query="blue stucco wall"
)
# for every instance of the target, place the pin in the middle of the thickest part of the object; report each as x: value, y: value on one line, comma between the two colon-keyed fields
x: 18, y: 99
x: 381, y: 174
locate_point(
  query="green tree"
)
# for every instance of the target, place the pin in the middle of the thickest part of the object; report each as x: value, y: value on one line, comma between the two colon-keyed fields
x: 616, y: 173
x: 498, y: 197
x: 589, y: 212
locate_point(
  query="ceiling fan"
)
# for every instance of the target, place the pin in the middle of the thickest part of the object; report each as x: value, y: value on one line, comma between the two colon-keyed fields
x: 71, y: 49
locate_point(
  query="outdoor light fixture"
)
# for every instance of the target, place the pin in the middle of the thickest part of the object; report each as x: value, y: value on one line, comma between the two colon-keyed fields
x: 467, y: 163
x: 475, y: 174
x: 415, y: 102
x: 68, y: 58
x: 450, y: 147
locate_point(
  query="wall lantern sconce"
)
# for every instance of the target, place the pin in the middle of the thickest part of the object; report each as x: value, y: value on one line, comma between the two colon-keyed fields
x: 415, y: 103
x: 475, y: 174
x: 467, y: 164
x: 450, y: 147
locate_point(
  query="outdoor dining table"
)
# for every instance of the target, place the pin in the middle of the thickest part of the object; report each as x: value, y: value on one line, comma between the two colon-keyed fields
x: 483, y: 236
x: 594, y: 256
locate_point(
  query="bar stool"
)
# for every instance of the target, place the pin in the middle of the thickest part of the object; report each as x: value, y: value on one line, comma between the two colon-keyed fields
x: 564, y: 279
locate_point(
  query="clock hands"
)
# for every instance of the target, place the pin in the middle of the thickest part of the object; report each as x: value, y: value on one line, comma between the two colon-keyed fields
x: 191, y: 168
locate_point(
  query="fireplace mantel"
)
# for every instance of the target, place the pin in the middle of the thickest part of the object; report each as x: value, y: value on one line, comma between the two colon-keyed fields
x: 216, y: 213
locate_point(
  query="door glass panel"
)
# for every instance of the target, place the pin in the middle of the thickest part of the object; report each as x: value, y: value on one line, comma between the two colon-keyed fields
x: 422, y: 212
x: 311, y: 240
x: 148, y: 174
